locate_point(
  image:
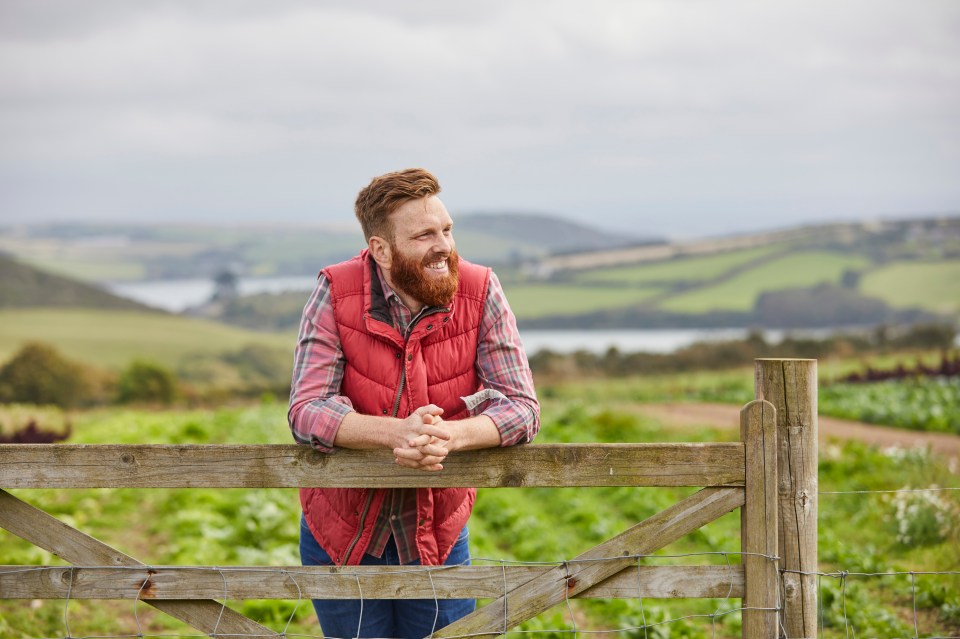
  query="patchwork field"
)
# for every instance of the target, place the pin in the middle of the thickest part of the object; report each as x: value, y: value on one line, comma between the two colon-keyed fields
x: 108, y: 338
x: 739, y: 292
x: 932, y: 285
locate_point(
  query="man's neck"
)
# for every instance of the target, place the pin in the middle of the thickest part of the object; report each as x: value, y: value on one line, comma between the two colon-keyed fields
x: 413, y: 304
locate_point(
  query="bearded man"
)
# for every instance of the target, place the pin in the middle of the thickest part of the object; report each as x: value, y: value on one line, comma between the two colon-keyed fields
x: 411, y: 348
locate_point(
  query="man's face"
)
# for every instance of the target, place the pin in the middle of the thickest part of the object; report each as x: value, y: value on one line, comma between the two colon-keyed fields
x: 424, y: 257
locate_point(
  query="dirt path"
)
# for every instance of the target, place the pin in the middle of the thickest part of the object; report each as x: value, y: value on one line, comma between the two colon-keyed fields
x: 728, y: 416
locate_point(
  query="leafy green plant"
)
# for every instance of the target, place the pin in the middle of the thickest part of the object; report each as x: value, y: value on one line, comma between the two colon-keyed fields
x: 919, y: 404
x: 145, y: 381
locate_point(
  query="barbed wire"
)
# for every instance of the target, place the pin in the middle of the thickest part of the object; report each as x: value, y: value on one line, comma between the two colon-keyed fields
x: 844, y: 576
x: 931, y: 489
x: 723, y: 609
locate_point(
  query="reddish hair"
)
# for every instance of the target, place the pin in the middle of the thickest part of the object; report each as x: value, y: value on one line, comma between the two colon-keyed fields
x: 385, y: 193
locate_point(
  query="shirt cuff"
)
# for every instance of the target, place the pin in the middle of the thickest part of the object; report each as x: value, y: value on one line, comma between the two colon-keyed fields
x: 516, y: 422
x: 324, y: 419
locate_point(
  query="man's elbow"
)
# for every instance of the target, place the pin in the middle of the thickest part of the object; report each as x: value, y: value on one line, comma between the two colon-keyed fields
x: 532, y: 425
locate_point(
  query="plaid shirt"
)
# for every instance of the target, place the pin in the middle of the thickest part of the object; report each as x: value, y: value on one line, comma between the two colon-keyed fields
x: 317, y: 408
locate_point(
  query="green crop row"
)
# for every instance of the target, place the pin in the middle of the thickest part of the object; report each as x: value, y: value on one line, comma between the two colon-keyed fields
x: 931, y: 404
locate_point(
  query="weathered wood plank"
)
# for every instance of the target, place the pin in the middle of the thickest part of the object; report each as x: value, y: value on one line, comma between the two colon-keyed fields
x: 758, y: 529
x: 315, y: 582
x: 791, y: 386
x: 291, y: 466
x: 597, y: 564
x: 51, y: 534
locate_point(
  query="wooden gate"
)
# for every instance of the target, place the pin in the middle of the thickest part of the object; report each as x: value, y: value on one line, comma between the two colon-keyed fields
x: 770, y: 474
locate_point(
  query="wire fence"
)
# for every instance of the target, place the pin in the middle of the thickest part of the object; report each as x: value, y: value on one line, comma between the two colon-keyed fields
x: 644, y: 628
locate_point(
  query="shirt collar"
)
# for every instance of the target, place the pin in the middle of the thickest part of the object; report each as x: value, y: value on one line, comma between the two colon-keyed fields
x: 391, y: 296
x: 388, y: 292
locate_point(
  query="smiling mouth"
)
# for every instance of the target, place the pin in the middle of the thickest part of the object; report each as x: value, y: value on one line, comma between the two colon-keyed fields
x: 440, y: 265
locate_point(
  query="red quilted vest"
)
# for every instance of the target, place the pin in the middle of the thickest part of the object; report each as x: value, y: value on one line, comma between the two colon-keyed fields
x: 384, y: 375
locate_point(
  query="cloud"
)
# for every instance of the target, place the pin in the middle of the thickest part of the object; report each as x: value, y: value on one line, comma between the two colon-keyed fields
x: 684, y: 114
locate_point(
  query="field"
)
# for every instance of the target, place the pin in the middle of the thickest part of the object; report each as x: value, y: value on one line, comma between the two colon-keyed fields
x: 677, y: 271
x: 740, y: 292
x: 934, y: 285
x: 896, y: 533
x: 734, y: 280
x: 530, y: 301
x: 108, y: 339
x: 892, y: 272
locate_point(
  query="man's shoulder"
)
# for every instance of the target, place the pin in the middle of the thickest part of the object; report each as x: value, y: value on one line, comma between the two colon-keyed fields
x: 354, y: 263
x: 347, y: 277
x: 474, y: 278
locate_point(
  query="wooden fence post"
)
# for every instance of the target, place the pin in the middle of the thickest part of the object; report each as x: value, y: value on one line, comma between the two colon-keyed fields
x: 758, y: 521
x: 791, y: 386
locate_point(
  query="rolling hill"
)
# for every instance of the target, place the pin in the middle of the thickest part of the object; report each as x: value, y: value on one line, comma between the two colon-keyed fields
x: 23, y: 286
x: 818, y: 276
x: 115, y: 252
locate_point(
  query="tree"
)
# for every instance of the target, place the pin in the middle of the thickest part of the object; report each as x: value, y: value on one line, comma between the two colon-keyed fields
x: 39, y: 374
x: 144, y: 381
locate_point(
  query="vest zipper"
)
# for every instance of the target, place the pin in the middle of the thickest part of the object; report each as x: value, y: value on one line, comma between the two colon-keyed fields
x: 396, y: 402
x: 366, y: 506
x: 363, y: 517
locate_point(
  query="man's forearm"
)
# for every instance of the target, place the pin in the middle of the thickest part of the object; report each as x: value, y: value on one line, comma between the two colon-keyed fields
x: 473, y: 433
x: 372, y: 431
x: 368, y: 431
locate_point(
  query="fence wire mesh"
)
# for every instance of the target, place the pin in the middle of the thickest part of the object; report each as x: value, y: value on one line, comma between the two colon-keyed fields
x: 644, y: 628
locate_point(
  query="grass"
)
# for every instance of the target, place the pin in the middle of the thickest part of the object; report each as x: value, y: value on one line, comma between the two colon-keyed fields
x: 88, y: 270
x: 530, y: 301
x: 930, y: 285
x: 110, y: 338
x: 740, y: 292
x: 681, y: 270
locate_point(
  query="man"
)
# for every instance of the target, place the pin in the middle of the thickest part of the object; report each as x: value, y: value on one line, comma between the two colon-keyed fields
x: 410, y: 348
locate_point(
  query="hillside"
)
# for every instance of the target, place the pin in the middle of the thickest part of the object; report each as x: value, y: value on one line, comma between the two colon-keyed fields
x: 118, y: 252
x: 819, y: 276
x: 553, y: 235
x: 110, y: 338
x: 23, y: 286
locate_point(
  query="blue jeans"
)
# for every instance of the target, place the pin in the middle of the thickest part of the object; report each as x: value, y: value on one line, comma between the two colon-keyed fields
x: 402, y: 618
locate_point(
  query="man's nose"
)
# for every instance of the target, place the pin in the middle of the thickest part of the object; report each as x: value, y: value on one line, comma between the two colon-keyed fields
x: 445, y: 244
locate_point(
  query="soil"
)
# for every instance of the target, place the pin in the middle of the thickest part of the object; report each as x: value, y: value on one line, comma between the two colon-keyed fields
x: 728, y: 416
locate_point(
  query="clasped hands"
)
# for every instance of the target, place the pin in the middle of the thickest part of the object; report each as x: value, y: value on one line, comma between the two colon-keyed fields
x: 425, y: 440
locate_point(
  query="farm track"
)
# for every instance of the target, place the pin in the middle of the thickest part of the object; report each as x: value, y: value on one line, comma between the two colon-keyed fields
x: 728, y: 416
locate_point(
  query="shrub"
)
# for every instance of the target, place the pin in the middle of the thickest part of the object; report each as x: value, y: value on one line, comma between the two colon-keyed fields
x: 39, y: 374
x: 28, y: 424
x: 144, y: 381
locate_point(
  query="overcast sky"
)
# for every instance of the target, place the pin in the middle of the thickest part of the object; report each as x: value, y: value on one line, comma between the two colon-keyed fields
x: 679, y: 118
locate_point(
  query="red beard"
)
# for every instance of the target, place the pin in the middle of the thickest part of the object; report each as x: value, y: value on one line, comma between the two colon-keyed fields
x: 408, y: 275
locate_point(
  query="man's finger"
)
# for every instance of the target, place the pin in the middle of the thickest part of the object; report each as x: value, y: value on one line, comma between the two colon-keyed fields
x: 420, y: 440
x: 407, y: 463
x: 436, y: 431
x: 419, y: 456
x: 433, y: 449
x: 429, y: 409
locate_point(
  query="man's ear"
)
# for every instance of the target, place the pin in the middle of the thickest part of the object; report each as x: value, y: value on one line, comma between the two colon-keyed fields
x: 380, y: 251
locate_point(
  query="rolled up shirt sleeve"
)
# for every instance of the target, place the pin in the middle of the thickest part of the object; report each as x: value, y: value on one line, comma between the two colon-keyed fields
x: 316, y: 407
x: 503, y: 367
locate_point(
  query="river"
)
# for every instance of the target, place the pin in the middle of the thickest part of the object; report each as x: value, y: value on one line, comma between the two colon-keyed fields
x: 178, y: 295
